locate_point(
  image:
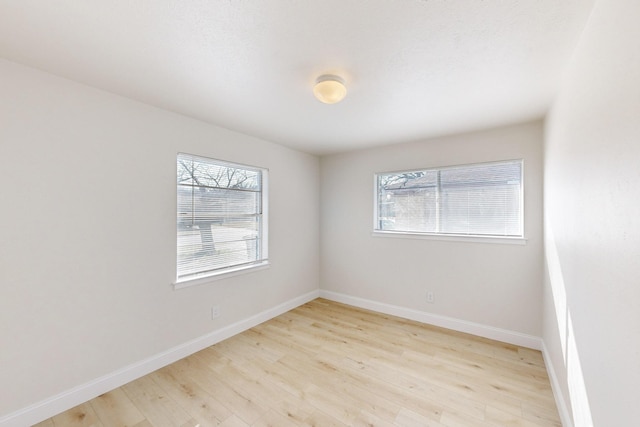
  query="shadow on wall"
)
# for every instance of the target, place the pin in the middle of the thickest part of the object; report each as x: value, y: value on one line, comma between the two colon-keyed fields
x: 577, y: 392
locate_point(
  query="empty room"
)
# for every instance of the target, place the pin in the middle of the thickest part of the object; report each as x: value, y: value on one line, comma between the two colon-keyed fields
x: 320, y: 213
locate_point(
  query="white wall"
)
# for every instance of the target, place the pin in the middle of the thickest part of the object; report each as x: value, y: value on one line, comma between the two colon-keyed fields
x: 87, y: 226
x: 495, y: 285
x: 592, y: 222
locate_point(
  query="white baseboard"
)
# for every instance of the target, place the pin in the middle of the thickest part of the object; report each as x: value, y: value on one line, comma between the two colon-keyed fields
x: 54, y: 405
x: 511, y: 337
x: 563, y: 409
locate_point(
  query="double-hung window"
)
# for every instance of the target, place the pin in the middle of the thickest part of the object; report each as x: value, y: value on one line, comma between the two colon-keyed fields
x: 484, y: 199
x: 222, y: 217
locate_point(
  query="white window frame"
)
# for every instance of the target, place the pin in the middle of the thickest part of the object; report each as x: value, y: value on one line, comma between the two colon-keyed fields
x: 236, y: 269
x: 476, y: 238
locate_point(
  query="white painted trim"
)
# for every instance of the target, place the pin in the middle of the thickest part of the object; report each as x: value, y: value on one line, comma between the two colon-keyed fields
x: 224, y: 274
x: 503, y: 240
x: 511, y: 337
x: 561, y: 403
x: 47, y: 408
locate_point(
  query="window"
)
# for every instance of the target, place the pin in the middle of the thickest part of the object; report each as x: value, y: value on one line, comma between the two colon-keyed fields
x: 221, y: 223
x: 483, y: 199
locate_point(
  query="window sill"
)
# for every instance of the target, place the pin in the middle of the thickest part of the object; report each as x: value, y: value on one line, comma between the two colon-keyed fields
x: 224, y: 274
x: 452, y: 237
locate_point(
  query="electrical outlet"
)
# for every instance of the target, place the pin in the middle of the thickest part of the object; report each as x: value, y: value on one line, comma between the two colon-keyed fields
x: 215, y: 311
x: 430, y: 297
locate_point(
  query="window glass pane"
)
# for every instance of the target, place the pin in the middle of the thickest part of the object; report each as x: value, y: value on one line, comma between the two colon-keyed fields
x: 220, y: 217
x: 407, y: 201
x: 481, y: 199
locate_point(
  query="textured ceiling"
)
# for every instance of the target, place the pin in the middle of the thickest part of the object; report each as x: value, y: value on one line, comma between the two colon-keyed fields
x: 414, y: 69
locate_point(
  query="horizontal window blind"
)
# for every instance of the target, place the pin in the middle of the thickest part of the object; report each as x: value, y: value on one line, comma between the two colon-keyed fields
x: 483, y: 199
x: 220, y: 221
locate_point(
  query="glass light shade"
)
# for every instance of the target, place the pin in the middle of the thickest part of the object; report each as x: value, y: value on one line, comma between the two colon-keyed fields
x: 329, y: 89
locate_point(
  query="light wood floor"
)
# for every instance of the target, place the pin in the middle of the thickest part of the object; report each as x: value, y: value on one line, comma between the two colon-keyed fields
x: 328, y: 364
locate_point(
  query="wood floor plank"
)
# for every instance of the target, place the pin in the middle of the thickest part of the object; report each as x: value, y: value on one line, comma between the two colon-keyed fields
x: 367, y: 419
x: 233, y: 421
x: 199, y: 403
x: 455, y: 419
x: 386, y: 385
x: 155, y: 404
x: 328, y: 364
x: 231, y: 396
x: 506, y: 419
x: 408, y: 418
x: 289, y: 381
x: 395, y: 386
x: 255, y: 389
x: 274, y: 419
x: 320, y: 419
x: 332, y: 405
x: 116, y: 409
x: 81, y: 416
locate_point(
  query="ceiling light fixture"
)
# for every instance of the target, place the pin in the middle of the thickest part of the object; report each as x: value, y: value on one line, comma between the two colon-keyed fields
x: 329, y: 89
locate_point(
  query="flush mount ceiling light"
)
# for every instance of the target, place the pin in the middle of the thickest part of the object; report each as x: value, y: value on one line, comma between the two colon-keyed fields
x: 329, y: 89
